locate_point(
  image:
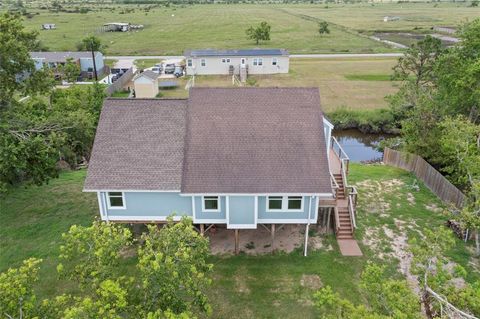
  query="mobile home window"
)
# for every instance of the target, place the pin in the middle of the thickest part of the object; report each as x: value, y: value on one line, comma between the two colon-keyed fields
x: 228, y: 60
x: 260, y: 61
x: 285, y: 203
x: 203, y: 62
x: 274, y: 61
x: 211, y: 204
x: 116, y: 200
x: 255, y: 61
x: 223, y: 60
x: 189, y: 62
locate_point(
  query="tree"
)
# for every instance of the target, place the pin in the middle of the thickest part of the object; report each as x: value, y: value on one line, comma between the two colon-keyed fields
x: 259, y: 33
x: 457, y: 73
x: 35, y: 134
x: 419, y: 61
x: 71, y: 70
x: 323, y: 27
x: 17, y: 70
x: 168, y: 281
x: 96, y: 250
x: 16, y: 290
x: 92, y: 43
x: 173, y: 268
x: 387, y: 298
x: 429, y: 260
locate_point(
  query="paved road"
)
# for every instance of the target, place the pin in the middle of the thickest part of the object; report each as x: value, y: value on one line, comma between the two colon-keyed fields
x: 301, y: 56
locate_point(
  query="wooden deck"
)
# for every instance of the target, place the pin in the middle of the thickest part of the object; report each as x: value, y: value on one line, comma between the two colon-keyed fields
x: 335, y: 167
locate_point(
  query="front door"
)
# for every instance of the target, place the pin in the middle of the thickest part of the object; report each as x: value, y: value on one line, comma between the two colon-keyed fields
x: 243, y: 61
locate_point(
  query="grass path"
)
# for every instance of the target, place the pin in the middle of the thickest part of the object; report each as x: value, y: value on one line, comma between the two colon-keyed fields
x: 269, y: 286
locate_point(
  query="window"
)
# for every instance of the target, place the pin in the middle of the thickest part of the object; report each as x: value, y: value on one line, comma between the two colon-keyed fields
x: 211, y: 204
x: 294, y: 202
x: 275, y: 202
x: 255, y: 61
x: 228, y: 60
x: 285, y: 203
x: 274, y: 61
x: 224, y: 60
x: 116, y: 200
x: 202, y: 63
x: 189, y: 62
x: 260, y: 61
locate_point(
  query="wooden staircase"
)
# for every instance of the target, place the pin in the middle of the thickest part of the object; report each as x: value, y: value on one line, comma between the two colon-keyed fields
x: 345, y: 225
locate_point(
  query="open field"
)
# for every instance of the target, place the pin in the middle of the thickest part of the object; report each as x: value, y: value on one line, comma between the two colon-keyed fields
x: 353, y: 83
x: 413, y: 16
x: 169, y: 31
x: 266, y: 286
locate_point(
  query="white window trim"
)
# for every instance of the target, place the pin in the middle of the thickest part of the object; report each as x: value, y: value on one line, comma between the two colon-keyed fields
x: 224, y: 60
x: 189, y: 63
x: 116, y: 207
x: 284, y: 205
x: 203, y: 62
x: 219, y: 209
x: 260, y: 61
x: 228, y: 60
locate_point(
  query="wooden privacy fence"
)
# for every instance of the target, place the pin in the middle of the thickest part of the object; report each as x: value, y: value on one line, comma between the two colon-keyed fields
x: 120, y: 82
x: 435, y: 181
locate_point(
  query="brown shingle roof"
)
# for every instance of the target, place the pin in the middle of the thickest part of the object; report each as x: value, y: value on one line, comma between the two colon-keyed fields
x: 138, y: 145
x: 255, y: 140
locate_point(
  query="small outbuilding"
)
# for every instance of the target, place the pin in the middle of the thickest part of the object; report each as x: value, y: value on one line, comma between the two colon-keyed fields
x: 49, y: 26
x: 146, y: 84
x: 251, y: 61
x: 117, y: 26
x: 390, y: 18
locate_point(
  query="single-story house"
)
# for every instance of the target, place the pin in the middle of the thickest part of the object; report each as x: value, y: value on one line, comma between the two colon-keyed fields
x: 82, y: 58
x: 255, y: 61
x: 237, y: 158
x: 146, y: 84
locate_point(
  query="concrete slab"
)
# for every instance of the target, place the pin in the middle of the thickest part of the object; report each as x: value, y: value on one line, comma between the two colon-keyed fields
x: 349, y: 247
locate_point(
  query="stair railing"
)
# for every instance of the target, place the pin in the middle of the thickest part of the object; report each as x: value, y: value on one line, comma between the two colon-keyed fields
x: 350, y: 191
x: 335, y: 186
x: 337, y: 220
x: 352, y: 203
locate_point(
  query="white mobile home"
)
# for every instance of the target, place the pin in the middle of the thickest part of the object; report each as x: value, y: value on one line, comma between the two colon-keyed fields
x: 253, y: 61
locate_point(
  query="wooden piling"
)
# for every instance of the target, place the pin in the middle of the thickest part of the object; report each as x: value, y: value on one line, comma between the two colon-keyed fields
x: 237, y: 242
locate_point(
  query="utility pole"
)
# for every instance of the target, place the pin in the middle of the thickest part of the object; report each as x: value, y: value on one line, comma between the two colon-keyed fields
x: 93, y: 59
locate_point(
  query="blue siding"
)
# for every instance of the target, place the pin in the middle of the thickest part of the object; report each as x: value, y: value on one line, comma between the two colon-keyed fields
x: 199, y: 214
x: 154, y: 204
x: 241, y: 210
x: 263, y: 214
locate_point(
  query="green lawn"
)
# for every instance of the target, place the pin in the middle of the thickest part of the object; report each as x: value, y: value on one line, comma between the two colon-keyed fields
x: 268, y: 286
x: 357, y: 83
x: 169, y: 31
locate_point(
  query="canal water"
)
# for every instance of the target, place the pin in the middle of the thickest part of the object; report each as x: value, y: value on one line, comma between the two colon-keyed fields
x: 360, y: 146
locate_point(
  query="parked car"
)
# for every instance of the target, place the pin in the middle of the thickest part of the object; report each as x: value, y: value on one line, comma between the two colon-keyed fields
x: 178, y: 71
x: 169, y: 68
x: 157, y: 68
